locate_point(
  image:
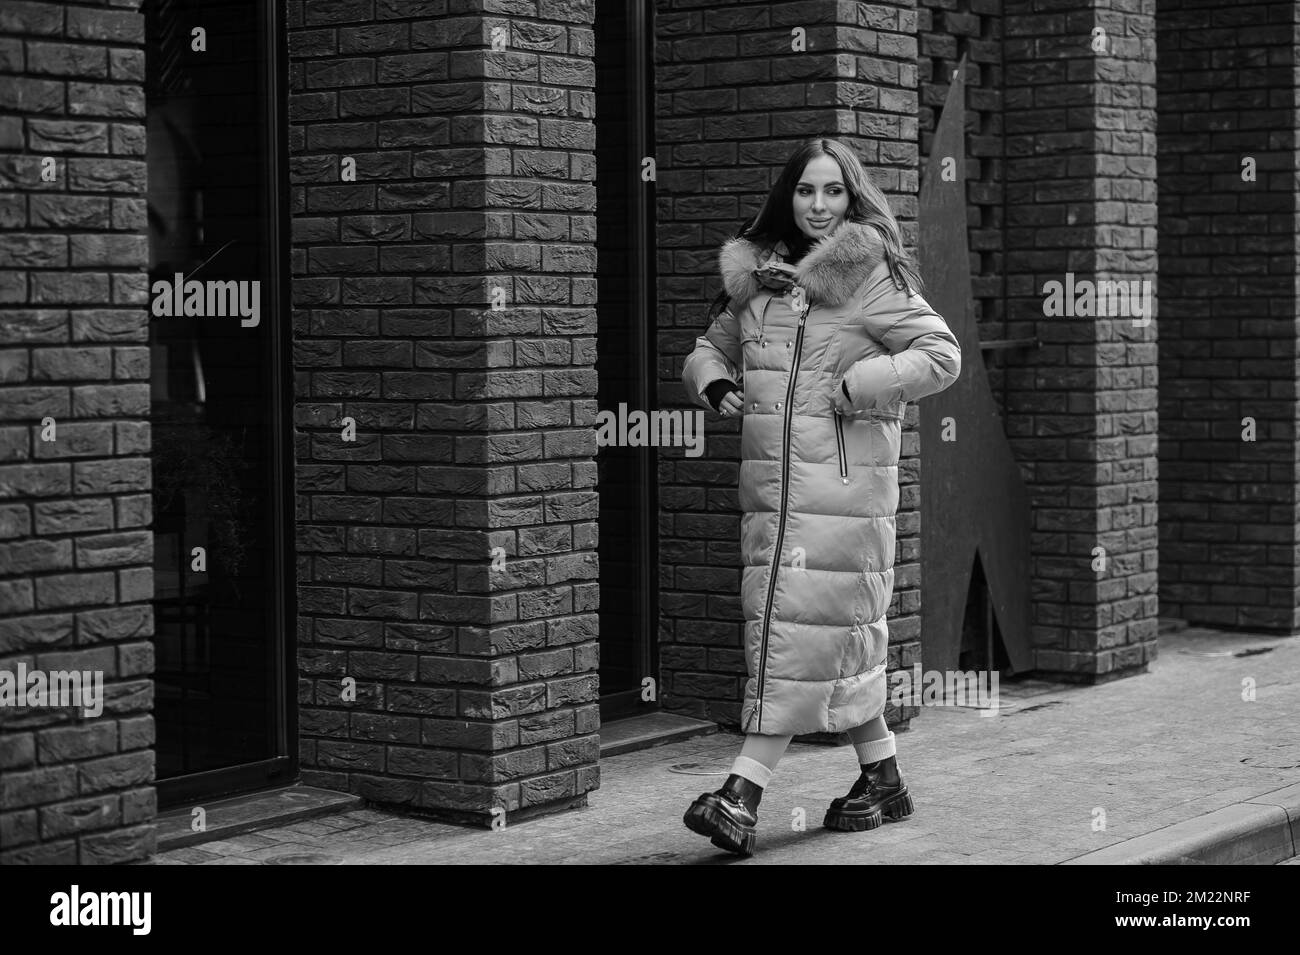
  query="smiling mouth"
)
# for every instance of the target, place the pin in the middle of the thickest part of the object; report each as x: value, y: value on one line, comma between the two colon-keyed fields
x: 819, y: 221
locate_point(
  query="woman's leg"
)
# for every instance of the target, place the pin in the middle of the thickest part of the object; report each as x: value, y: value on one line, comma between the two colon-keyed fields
x: 730, y: 815
x: 873, y: 741
x: 759, y: 756
x: 879, y: 791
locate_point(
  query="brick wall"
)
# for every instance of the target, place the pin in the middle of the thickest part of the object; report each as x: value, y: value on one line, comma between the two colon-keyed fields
x: 1228, y: 267
x: 75, y: 546
x: 947, y: 31
x: 476, y: 686
x: 1080, y: 129
x: 733, y: 100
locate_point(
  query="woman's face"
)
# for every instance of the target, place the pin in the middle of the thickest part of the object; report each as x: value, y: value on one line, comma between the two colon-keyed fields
x: 820, y: 198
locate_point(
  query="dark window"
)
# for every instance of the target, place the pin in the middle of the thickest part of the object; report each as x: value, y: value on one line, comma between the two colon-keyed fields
x: 626, y: 360
x: 216, y: 337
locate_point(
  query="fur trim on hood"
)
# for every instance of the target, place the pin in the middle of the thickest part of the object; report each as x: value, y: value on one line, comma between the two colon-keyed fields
x: 830, y: 273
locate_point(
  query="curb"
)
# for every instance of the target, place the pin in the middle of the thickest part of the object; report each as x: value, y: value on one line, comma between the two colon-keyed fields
x: 1262, y: 830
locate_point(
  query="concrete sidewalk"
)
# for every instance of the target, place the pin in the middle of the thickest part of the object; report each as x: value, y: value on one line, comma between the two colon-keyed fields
x: 1061, y: 772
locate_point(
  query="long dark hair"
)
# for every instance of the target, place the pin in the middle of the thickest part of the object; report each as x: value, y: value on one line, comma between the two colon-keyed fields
x: 774, y: 222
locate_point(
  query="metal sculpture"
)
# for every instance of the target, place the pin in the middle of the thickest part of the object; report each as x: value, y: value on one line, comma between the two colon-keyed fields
x: 973, y: 497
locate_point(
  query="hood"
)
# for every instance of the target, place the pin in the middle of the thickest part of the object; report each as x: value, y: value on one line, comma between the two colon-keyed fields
x: 830, y: 273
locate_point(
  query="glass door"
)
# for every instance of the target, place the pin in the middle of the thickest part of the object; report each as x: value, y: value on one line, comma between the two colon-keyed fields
x: 218, y: 330
x: 625, y: 362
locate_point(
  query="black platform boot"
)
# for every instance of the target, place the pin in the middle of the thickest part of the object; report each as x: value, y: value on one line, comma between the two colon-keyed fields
x: 879, y: 794
x: 729, y: 816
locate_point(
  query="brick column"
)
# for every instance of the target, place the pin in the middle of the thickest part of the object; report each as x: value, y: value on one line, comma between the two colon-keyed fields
x: 444, y: 301
x: 1228, y: 449
x: 734, y: 100
x: 75, y: 550
x: 1080, y: 128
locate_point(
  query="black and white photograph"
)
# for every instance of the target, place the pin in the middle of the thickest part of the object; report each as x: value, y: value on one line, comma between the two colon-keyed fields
x: 653, y: 433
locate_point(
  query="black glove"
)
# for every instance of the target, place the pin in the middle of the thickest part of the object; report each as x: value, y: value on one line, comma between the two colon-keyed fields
x: 715, y: 391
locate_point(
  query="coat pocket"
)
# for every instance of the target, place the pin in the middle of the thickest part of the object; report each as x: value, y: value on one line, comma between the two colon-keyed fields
x: 749, y: 334
x: 753, y: 336
x: 829, y: 365
x: 839, y: 447
x: 748, y: 351
x: 885, y: 437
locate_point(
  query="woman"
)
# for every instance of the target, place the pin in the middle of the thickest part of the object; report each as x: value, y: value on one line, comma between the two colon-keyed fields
x: 819, y: 340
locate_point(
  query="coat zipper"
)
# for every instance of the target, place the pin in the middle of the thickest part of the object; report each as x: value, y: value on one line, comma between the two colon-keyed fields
x: 839, y: 447
x: 780, y: 527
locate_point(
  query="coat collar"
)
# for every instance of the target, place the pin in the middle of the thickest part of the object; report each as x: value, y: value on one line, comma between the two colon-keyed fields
x: 830, y: 273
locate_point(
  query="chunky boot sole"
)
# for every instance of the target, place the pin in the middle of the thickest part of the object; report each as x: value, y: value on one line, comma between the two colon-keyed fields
x: 707, y: 819
x: 845, y: 820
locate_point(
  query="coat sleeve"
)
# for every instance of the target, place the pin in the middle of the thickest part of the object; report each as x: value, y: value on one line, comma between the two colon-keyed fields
x: 716, y: 356
x: 924, y: 356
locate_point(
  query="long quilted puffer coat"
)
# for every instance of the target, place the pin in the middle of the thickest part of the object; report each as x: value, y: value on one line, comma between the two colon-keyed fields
x: 819, y: 472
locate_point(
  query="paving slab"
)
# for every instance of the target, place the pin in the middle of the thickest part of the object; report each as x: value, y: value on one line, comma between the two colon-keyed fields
x: 1197, y: 760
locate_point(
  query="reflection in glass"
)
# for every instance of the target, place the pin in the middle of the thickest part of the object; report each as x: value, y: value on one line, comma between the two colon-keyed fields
x: 625, y: 363
x: 213, y: 387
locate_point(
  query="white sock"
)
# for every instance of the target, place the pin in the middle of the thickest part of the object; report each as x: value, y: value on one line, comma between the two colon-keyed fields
x: 753, y: 770
x: 874, y: 750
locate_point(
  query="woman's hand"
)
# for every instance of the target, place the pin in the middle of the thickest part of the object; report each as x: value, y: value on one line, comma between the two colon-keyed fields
x: 777, y: 276
x: 732, y: 404
x: 840, y: 401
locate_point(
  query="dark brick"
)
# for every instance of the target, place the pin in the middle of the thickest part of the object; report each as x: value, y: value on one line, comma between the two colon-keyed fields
x: 59, y: 364
x: 116, y: 772
x: 118, y: 846
x: 37, y: 786
x: 67, y: 59
x: 82, y: 815
x: 32, y: 96
x: 69, y: 590
x: 18, y: 828
x: 111, y: 25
